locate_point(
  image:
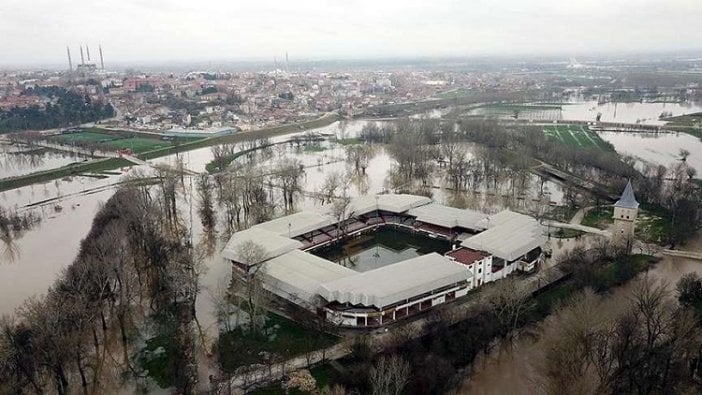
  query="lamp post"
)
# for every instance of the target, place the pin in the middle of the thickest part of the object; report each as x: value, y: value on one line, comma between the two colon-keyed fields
x: 377, y: 225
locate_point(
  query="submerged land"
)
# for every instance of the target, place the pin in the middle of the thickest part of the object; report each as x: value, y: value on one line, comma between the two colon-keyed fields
x: 119, y: 215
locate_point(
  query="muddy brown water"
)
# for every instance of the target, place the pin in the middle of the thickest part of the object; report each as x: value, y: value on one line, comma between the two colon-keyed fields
x: 512, y: 371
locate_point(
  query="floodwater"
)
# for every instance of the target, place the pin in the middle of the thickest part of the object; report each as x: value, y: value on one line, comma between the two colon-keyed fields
x: 18, y: 160
x: 380, y: 248
x: 196, y: 160
x: 66, y: 208
x: 643, y: 113
x: 47, y: 249
x: 657, y: 148
x: 513, y: 371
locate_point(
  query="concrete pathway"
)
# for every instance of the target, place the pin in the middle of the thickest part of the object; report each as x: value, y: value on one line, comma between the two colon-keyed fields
x: 684, y: 254
x: 582, y: 228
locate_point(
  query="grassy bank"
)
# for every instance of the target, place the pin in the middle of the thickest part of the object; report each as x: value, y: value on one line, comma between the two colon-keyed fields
x: 112, y: 140
x: 281, y: 337
x: 95, y: 166
x: 690, y: 124
x: 599, y: 217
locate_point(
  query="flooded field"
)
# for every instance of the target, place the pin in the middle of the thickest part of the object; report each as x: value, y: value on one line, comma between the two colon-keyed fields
x: 45, y: 250
x: 18, y: 160
x: 657, y: 148
x: 635, y: 112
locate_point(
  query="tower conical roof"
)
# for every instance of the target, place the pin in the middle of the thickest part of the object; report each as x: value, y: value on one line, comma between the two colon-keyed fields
x: 628, y: 200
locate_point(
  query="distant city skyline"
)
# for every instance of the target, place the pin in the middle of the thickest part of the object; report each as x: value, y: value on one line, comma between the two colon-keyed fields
x: 140, y: 31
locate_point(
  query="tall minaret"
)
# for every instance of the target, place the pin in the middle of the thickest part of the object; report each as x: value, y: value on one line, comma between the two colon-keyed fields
x: 102, y: 64
x: 626, y: 209
x: 82, y: 60
x: 87, y: 49
x: 70, y: 63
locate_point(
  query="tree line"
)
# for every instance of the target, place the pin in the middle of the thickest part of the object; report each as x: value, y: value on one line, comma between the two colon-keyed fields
x: 134, y: 278
x: 65, y: 108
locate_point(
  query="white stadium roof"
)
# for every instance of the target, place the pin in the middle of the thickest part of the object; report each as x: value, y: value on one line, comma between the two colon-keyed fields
x: 297, y: 224
x: 299, y: 273
x: 394, y: 203
x: 273, y: 244
x: 509, y: 235
x: 449, y: 217
x: 394, y: 283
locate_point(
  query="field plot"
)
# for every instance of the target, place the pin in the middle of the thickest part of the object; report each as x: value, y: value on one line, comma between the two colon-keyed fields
x: 576, y: 136
x: 85, y: 137
x: 115, y: 141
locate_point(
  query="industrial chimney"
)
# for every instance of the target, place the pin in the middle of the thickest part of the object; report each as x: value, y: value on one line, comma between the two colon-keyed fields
x: 102, y: 64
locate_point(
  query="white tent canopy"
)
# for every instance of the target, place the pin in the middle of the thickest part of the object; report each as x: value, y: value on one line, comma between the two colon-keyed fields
x: 394, y: 203
x: 509, y: 235
x: 297, y: 224
x: 299, y: 274
x: 449, y: 217
x: 394, y: 283
x: 272, y: 244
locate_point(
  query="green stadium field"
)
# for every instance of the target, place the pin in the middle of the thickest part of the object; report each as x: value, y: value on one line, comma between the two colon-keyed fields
x: 113, y: 141
x: 576, y: 136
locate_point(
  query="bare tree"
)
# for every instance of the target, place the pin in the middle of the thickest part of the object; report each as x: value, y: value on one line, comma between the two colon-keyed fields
x: 253, y: 255
x: 389, y: 375
x: 289, y: 173
x: 510, y: 300
x: 332, y: 183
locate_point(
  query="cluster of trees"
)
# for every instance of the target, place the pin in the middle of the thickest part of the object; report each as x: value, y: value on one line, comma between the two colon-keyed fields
x: 676, y: 191
x: 135, y: 275
x: 419, y: 145
x: 645, y: 342
x: 603, y: 166
x: 247, y: 192
x: 208, y: 90
x: 65, y: 108
x: 12, y: 225
x: 440, y: 359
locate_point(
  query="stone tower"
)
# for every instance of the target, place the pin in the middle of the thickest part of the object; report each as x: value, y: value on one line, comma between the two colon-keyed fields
x: 625, y: 211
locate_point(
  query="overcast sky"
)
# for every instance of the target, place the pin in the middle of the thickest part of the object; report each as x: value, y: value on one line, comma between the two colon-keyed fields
x: 37, y: 31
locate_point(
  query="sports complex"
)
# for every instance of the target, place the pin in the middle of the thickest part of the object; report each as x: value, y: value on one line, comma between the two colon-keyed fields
x: 386, y: 257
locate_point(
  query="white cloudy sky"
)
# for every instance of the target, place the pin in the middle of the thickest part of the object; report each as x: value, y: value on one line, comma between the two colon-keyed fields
x: 37, y: 31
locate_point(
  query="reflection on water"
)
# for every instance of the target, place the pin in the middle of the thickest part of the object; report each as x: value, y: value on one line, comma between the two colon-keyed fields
x: 18, y: 159
x: 657, y: 148
x: 382, y: 247
x: 47, y: 249
x: 644, y: 113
